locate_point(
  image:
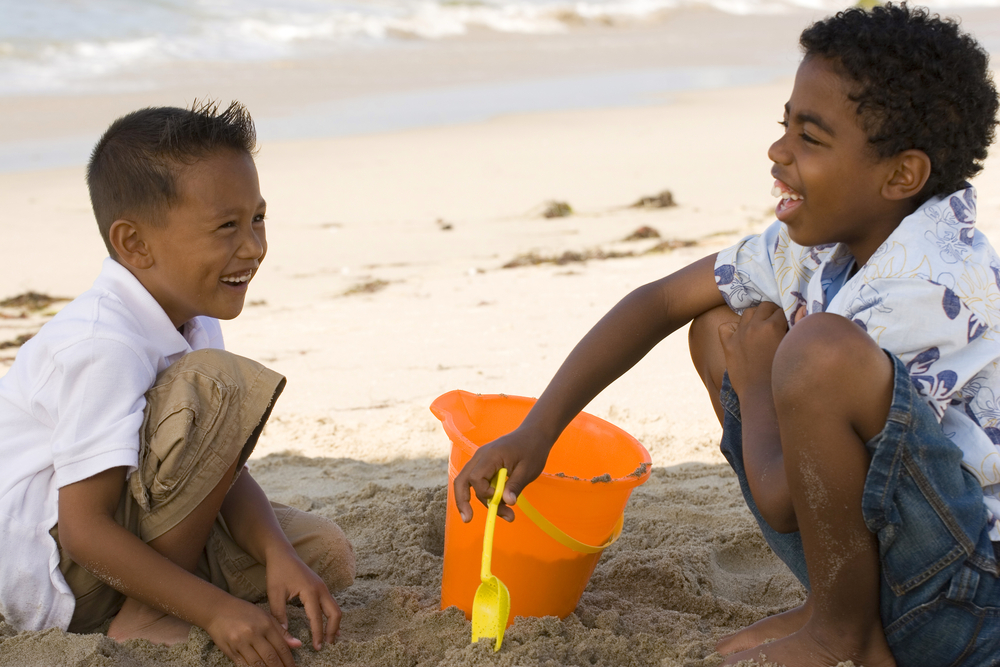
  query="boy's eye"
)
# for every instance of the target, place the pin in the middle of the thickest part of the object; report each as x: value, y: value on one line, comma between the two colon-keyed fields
x: 226, y: 225
x: 783, y: 123
x: 259, y: 218
x: 809, y: 140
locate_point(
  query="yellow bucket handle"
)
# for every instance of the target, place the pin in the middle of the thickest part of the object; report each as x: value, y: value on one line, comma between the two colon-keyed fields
x: 562, y: 538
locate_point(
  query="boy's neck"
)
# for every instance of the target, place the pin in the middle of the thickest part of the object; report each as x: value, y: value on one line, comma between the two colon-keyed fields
x: 139, y: 275
x: 863, y: 249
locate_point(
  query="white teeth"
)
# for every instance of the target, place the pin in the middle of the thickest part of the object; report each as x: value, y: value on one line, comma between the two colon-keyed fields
x: 236, y: 280
x: 778, y: 192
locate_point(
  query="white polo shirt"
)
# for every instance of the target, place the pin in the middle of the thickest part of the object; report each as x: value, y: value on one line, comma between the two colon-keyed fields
x: 70, y: 407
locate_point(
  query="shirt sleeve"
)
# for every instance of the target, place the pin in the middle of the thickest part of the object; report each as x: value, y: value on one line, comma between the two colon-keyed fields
x: 745, y: 273
x: 98, y: 394
x: 940, y: 339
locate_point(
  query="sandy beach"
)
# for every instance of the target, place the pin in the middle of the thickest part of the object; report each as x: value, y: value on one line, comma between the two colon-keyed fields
x: 386, y: 284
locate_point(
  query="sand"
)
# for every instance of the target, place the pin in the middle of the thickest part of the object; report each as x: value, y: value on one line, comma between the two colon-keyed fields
x: 689, y: 567
x: 384, y: 287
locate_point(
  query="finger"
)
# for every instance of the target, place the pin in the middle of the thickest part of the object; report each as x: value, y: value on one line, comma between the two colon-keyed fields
x: 482, y: 481
x: 278, y: 608
x: 248, y: 656
x: 315, y: 615
x: 726, y: 331
x: 290, y: 640
x: 767, y: 308
x: 462, y: 494
x: 235, y: 656
x: 518, y: 477
x: 778, y: 315
x: 277, y: 645
x: 333, y: 615
x: 268, y: 656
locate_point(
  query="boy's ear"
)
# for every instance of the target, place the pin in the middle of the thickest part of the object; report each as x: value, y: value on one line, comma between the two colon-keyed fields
x: 127, y: 241
x: 912, y: 169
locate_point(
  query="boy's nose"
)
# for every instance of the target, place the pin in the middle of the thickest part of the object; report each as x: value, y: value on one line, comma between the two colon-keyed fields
x: 254, y: 244
x: 778, y: 152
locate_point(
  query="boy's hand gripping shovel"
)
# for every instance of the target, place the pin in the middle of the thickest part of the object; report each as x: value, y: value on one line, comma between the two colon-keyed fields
x: 491, y: 606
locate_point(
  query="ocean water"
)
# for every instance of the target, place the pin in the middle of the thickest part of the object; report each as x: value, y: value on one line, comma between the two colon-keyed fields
x: 60, y: 46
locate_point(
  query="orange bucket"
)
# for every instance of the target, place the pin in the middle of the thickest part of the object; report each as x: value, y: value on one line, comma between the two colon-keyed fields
x: 587, y: 480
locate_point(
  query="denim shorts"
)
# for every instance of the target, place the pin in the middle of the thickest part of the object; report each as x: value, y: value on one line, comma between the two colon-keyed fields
x: 940, y: 594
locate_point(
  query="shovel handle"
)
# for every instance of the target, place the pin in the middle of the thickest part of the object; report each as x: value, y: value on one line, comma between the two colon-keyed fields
x: 491, y: 518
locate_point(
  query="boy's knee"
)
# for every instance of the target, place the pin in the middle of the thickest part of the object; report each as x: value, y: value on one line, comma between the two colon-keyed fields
x: 321, y: 544
x: 821, y: 346
x: 828, y: 360
x: 336, y: 565
x: 705, y: 346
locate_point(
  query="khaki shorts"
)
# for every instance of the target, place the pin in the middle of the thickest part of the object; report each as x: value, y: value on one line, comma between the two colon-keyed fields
x: 204, y: 413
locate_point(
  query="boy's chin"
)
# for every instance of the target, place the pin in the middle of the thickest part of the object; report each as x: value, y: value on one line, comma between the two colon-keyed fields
x: 229, y: 315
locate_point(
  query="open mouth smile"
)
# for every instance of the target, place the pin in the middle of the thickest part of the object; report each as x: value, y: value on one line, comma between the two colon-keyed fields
x: 240, y: 279
x: 789, y: 198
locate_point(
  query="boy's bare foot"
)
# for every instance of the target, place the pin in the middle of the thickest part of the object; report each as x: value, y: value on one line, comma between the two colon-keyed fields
x: 802, y: 649
x: 138, y: 621
x: 773, y: 627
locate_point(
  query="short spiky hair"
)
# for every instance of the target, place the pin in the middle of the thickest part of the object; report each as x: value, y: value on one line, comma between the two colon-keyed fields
x: 132, y: 173
x: 921, y: 83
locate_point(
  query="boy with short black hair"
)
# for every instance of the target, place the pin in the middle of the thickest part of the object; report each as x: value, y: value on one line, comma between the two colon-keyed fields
x: 857, y: 380
x: 125, y: 427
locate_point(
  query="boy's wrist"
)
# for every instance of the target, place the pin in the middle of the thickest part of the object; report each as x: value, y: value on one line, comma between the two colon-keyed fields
x: 278, y: 549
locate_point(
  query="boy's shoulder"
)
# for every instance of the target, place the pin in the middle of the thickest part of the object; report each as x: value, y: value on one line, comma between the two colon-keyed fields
x: 115, y: 325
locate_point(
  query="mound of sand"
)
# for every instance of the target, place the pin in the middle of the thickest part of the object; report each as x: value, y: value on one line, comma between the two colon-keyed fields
x: 690, y: 566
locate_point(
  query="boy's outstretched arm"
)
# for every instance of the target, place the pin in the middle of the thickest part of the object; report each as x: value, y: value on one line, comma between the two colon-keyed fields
x: 616, y: 343
x: 252, y: 523
x: 88, y: 531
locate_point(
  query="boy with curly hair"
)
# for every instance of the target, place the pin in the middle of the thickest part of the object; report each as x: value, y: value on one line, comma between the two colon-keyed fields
x: 850, y: 351
x: 125, y: 427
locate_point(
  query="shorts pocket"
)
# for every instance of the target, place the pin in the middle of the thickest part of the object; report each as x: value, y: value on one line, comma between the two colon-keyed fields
x: 929, y: 544
x: 941, y: 633
x: 179, y: 426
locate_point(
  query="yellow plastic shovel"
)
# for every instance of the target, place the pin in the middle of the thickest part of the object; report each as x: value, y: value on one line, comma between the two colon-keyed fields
x: 491, y: 606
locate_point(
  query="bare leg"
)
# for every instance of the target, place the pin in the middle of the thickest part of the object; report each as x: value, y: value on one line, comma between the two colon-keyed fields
x: 182, y: 545
x: 832, y: 391
x: 710, y: 362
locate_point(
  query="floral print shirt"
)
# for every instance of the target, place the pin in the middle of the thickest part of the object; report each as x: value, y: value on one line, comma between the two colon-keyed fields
x: 930, y: 295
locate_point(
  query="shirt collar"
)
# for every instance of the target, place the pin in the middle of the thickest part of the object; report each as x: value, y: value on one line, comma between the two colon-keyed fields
x: 152, y: 320
x: 948, y: 222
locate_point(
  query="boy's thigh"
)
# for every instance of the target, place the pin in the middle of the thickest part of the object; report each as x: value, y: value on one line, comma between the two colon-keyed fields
x: 204, y: 413
x: 318, y: 541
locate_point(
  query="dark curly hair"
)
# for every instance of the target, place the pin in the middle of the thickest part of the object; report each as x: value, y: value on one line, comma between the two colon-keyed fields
x: 132, y: 171
x: 921, y: 83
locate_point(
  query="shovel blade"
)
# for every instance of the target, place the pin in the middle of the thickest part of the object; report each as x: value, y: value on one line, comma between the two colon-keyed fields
x: 490, y: 611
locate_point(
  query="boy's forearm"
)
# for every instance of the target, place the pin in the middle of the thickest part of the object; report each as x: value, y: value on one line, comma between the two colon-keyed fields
x: 763, y: 460
x: 127, y: 564
x: 620, y: 339
x: 251, y: 520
